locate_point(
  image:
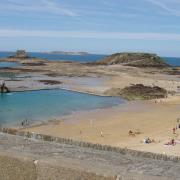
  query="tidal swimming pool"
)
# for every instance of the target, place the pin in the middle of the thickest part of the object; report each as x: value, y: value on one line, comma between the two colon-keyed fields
x: 8, y: 64
x: 48, y: 105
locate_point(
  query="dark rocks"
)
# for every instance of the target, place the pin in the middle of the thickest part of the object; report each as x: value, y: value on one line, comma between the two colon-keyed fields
x: 138, y: 92
x: 50, y: 82
x: 34, y: 64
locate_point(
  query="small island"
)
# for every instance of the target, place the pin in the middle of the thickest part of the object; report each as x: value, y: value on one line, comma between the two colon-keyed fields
x: 21, y: 54
x: 134, y: 60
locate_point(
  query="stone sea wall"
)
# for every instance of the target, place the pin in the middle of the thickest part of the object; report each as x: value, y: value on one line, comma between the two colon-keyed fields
x: 14, y: 168
x: 91, y: 145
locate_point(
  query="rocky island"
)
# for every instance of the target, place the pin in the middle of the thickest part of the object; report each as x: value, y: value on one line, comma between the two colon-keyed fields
x: 21, y: 54
x: 121, y: 69
x: 134, y: 59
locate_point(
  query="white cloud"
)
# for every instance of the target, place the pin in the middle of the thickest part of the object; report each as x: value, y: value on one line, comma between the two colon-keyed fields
x: 166, y: 6
x: 89, y: 34
x: 41, y: 6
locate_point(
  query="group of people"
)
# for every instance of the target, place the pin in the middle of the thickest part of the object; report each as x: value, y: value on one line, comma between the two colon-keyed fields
x: 148, y: 140
x: 25, y: 123
x: 177, y: 126
x: 171, y: 143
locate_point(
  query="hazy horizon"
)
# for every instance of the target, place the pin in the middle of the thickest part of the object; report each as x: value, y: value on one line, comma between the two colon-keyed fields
x: 89, y: 53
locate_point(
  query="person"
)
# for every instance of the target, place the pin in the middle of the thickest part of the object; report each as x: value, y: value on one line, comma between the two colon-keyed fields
x: 26, y: 122
x: 3, y: 87
x: 172, y: 142
x: 131, y: 133
x: 148, y: 140
x: 174, y: 130
x: 101, y: 134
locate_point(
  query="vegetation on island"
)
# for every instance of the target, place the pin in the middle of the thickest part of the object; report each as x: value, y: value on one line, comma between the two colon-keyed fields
x: 138, y: 92
x: 134, y: 59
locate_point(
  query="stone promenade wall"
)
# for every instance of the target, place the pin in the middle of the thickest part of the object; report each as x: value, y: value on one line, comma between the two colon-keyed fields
x: 91, y: 145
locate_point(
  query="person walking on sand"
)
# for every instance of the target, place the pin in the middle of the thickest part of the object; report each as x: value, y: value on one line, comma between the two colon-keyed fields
x: 102, y: 134
x: 22, y: 123
x: 174, y: 130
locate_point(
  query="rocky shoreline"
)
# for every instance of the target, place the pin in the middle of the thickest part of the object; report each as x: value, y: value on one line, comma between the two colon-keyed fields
x: 117, y: 67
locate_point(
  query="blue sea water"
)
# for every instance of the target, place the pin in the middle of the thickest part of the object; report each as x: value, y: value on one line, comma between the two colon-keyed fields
x: 173, y: 61
x: 48, y: 104
x: 79, y: 58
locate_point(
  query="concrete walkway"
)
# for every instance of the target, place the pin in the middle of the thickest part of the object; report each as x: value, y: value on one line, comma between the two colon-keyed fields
x: 33, y: 159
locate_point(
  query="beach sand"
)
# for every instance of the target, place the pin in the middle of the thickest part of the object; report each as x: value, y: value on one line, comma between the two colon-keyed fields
x: 111, y: 126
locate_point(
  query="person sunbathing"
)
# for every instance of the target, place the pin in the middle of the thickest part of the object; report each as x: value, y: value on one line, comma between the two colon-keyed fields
x: 148, y: 140
x: 171, y: 143
x: 131, y: 133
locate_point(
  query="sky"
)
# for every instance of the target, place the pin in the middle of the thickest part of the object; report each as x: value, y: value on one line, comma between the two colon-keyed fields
x: 95, y: 26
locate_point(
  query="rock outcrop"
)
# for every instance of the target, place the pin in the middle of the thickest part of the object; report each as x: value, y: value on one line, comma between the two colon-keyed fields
x: 138, y: 92
x: 134, y: 59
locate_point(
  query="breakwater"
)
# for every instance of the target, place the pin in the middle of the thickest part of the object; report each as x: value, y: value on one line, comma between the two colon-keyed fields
x: 124, y: 151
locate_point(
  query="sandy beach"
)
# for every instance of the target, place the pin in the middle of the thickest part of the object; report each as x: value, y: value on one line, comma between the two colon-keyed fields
x: 111, y: 126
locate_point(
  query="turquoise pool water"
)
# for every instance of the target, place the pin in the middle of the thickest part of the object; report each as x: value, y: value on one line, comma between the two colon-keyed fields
x: 8, y: 64
x: 47, y: 105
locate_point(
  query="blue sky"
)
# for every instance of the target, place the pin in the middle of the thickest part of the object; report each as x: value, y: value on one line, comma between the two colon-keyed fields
x: 97, y: 26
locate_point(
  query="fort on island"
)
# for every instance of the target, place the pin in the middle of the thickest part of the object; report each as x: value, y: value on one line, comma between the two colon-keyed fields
x: 21, y: 54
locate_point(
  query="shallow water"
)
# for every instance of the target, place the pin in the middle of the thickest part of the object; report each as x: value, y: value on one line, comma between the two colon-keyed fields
x: 47, y: 105
x: 8, y: 64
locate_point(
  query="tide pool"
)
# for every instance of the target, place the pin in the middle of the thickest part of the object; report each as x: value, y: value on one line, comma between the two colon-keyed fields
x: 8, y: 64
x: 47, y: 105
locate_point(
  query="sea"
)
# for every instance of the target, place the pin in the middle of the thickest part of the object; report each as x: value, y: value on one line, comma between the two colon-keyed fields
x: 37, y: 106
